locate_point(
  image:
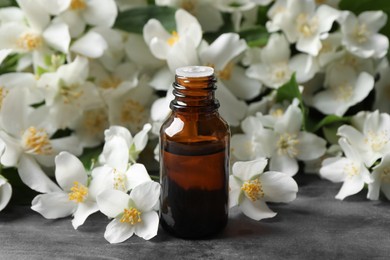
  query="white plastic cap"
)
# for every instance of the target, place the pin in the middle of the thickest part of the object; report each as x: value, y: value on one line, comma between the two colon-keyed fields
x: 194, y: 71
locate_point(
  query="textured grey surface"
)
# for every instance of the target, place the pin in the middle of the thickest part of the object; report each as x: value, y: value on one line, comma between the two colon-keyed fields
x: 314, y: 226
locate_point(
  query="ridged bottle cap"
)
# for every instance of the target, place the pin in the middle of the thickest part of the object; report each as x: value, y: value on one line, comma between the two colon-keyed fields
x: 194, y: 71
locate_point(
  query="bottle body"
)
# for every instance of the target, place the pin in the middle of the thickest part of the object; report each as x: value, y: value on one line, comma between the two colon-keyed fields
x: 194, y: 168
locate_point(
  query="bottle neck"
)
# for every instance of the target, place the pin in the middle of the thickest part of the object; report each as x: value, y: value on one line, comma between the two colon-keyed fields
x: 195, y: 94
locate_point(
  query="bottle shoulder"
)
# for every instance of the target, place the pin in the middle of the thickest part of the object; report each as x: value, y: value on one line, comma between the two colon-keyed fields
x: 197, y: 126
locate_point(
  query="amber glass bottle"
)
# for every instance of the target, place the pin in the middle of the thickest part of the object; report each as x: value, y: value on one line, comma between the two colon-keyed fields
x: 194, y: 158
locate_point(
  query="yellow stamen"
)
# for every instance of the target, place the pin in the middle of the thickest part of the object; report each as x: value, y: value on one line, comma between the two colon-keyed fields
x: 78, y: 5
x: 36, y: 141
x: 132, y: 112
x: 131, y: 216
x: 226, y: 73
x: 253, y: 189
x: 29, y: 41
x: 385, y: 175
x: 361, y: 33
x: 95, y: 121
x: 343, y: 92
x: 70, y: 93
x: 307, y: 26
x: 189, y: 6
x: 277, y: 113
x: 119, y: 180
x: 110, y: 82
x: 78, y: 192
x: 377, y: 140
x: 287, y: 145
x: 351, y: 170
x: 173, y: 39
x: 3, y: 93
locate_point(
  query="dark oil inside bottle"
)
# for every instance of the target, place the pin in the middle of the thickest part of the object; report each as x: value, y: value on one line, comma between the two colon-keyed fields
x: 194, y: 201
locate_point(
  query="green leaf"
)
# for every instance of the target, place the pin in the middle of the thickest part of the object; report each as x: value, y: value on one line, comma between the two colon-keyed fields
x: 9, y: 64
x: 329, y: 120
x: 133, y: 20
x: 7, y: 3
x: 90, y: 156
x: 256, y: 36
x: 21, y: 193
x: 359, y: 6
x: 330, y: 133
x: 289, y: 91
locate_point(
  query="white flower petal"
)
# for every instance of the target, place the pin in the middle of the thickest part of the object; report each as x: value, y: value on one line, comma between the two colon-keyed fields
x: 374, y: 187
x: 148, y: 227
x: 53, y: 205
x: 374, y: 20
x: 5, y: 193
x: 91, y: 45
x: 326, y: 102
x: 14, y: 106
x: 145, y: 195
x: 12, y: 152
x: 136, y: 175
x: 57, y: 36
x: 4, y: 53
x: 241, y: 85
x: 141, y: 138
x: 82, y: 212
x: 100, y: 13
x: 326, y: 15
x: 304, y: 66
x: 333, y: 168
x: 232, y: 109
x: 117, y: 232
x: 102, y: 179
x: 118, y: 131
x: 349, y: 151
x: 189, y: 26
x: 54, y: 7
x: 139, y: 53
x: 352, y: 135
x: 69, y: 170
x: 364, y: 85
x: 32, y: 175
x: 74, y: 21
x: 36, y: 16
x: 234, y: 191
x: 351, y: 186
x: 278, y: 187
x: 284, y: 163
x: 256, y: 210
x: 74, y: 72
x: 310, y: 45
x: 69, y: 144
x: 225, y: 48
x: 310, y: 146
x: 248, y: 170
x: 160, y: 109
x: 242, y: 147
x: 112, y: 202
x: 154, y: 29
x: 277, y: 49
x: 181, y: 54
x: 116, y: 153
x: 291, y: 121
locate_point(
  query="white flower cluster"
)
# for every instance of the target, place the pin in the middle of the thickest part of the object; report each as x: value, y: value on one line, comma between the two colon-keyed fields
x: 366, y: 147
x: 105, y: 188
x: 66, y: 75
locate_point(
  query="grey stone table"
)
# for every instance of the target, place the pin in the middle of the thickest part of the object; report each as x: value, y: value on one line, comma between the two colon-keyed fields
x: 314, y: 226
